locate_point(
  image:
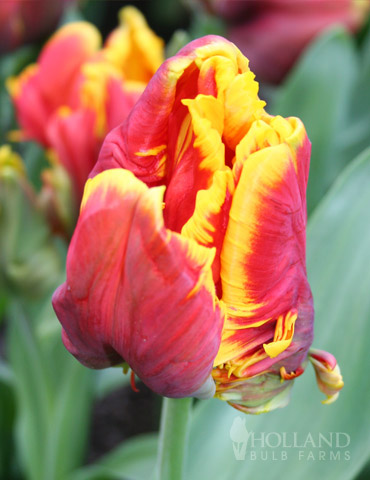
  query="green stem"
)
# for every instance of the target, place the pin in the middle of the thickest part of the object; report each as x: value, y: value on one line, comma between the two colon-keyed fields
x: 173, y: 438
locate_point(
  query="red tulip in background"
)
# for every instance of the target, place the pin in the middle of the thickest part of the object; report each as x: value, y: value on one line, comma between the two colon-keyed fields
x: 272, y: 33
x: 188, y: 259
x: 78, y: 91
x: 26, y: 21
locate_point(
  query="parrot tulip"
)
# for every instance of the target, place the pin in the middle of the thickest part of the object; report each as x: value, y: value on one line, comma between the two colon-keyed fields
x: 188, y: 259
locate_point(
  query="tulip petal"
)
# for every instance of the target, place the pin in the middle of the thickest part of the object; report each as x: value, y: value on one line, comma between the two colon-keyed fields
x: 152, y: 157
x: 328, y: 376
x: 120, y: 100
x: 207, y: 225
x: 42, y: 89
x: 133, y: 47
x: 139, y: 292
x: 77, y: 153
x: 108, y: 102
x: 259, y: 274
x: 196, y: 163
x: 264, y: 283
x: 242, y: 107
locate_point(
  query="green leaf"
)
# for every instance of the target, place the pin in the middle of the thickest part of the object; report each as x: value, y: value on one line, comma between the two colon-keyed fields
x: 134, y: 459
x: 204, y: 23
x: 354, y: 136
x: 35, y: 160
x: 30, y: 261
x: 54, y: 394
x: 318, y: 91
x: 338, y: 249
x: 32, y: 391
x: 7, y: 419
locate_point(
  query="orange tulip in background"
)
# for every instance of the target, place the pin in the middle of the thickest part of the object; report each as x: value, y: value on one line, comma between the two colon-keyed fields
x: 188, y: 259
x: 273, y: 33
x: 78, y: 90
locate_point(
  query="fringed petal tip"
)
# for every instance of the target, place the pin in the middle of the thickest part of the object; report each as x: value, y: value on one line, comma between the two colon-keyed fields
x: 328, y: 376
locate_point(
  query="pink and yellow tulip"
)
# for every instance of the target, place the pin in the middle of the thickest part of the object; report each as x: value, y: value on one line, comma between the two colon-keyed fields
x: 188, y: 259
x: 77, y: 91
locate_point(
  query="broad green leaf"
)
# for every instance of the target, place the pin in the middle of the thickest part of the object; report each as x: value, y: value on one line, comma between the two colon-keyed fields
x: 69, y: 425
x: 365, y: 473
x: 33, y: 393
x: 54, y: 394
x: 355, y: 134
x: 132, y: 460
x: 72, y: 390
x: 337, y: 258
x: 318, y: 91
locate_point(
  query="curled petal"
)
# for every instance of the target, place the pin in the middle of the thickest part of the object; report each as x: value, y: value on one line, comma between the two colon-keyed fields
x: 328, y: 376
x: 153, y: 156
x: 207, y: 225
x: 242, y: 107
x: 196, y: 162
x: 133, y: 47
x: 139, y: 293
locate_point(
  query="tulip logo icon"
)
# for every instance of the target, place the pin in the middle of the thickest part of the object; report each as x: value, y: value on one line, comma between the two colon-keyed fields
x: 239, y: 436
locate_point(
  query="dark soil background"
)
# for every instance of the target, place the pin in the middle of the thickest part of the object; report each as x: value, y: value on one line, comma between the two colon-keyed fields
x: 120, y: 415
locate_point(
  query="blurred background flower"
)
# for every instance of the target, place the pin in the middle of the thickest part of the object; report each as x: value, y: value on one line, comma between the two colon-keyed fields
x: 78, y: 90
x: 272, y: 33
x: 27, y: 21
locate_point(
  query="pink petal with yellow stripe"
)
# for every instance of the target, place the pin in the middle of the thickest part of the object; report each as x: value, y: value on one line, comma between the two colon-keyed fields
x: 107, y: 308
